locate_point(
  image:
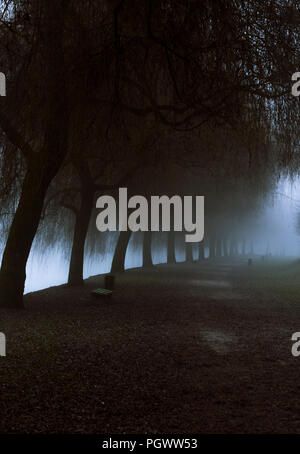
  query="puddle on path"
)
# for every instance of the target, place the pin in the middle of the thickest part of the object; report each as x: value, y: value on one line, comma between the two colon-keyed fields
x: 211, y: 283
x: 218, y: 341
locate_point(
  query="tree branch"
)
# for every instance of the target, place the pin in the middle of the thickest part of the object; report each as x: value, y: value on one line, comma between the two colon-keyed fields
x: 15, y: 137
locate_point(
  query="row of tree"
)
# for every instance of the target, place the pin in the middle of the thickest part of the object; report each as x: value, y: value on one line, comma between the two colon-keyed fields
x: 180, y: 97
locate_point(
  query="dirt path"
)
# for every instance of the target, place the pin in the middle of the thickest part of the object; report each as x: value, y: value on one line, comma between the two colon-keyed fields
x: 179, y: 349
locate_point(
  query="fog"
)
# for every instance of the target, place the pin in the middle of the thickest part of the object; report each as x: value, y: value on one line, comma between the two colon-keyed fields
x: 276, y: 225
x: 273, y: 231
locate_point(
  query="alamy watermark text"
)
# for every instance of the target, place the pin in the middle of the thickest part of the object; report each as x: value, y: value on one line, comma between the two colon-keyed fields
x: 184, y: 219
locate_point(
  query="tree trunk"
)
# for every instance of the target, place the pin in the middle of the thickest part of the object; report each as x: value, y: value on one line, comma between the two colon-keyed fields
x: 147, y: 256
x: 212, y: 246
x: 189, y: 252
x: 83, y: 217
x: 171, y: 258
x: 233, y: 247
x: 236, y: 248
x: 21, y: 235
x: 244, y: 246
x: 219, y: 247
x: 251, y: 248
x: 118, y: 263
x: 225, y: 247
x: 201, y: 251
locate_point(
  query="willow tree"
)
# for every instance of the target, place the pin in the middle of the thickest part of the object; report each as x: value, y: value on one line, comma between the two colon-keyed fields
x: 43, y: 151
x: 42, y: 48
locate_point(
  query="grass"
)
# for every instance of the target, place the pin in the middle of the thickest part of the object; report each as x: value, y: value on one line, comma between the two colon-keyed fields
x: 275, y: 279
x: 170, y: 352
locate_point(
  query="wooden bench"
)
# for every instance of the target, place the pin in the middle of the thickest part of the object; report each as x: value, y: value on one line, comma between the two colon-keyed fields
x: 101, y: 292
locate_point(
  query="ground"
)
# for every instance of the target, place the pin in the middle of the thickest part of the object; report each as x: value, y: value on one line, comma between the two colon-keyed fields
x: 199, y: 348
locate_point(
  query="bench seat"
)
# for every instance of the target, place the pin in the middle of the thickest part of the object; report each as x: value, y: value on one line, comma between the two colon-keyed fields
x: 101, y: 292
